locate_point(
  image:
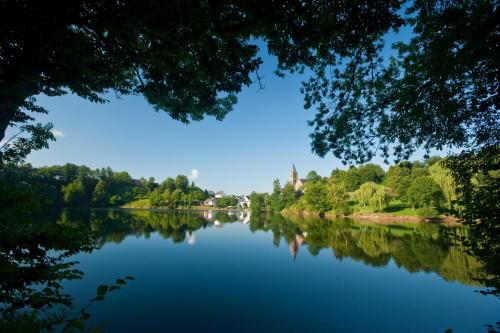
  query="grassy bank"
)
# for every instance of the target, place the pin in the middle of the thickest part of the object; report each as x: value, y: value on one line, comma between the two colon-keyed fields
x: 146, y: 204
x: 395, y: 211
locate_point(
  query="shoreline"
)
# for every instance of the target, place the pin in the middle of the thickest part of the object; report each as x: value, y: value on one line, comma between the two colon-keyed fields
x: 373, y: 217
x: 381, y: 217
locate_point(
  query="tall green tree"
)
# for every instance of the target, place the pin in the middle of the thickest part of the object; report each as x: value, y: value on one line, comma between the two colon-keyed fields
x: 100, y: 195
x: 338, y: 196
x: 74, y: 193
x: 289, y: 196
x: 275, y: 199
x: 477, y: 179
x: 312, y: 176
x: 181, y: 182
x: 424, y: 192
x: 399, y: 179
x: 373, y: 195
x: 370, y: 173
x: 442, y: 176
x: 316, y: 197
x: 258, y: 202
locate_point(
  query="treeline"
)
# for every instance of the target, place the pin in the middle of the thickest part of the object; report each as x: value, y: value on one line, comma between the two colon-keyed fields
x: 73, y: 185
x: 424, y: 186
x: 173, y: 193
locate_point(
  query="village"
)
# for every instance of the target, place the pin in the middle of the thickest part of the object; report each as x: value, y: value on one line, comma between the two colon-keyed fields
x: 221, y: 200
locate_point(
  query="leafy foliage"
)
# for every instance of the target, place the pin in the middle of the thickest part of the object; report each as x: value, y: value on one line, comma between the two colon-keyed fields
x: 478, y: 182
x: 258, y: 202
x: 187, y: 59
x: 79, y: 186
x: 227, y: 201
x: 440, y: 90
x: 373, y: 195
x: 442, y: 176
x: 173, y: 193
x: 424, y: 192
x: 316, y: 197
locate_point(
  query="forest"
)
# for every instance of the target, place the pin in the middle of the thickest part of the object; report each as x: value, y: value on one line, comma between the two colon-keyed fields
x: 422, y: 188
x: 72, y: 185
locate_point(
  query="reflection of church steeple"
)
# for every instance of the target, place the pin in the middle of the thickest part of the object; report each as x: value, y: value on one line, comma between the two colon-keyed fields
x: 295, y: 244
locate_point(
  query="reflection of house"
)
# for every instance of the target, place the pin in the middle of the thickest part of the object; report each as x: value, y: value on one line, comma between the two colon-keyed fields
x: 191, y: 239
x: 243, y: 217
x: 208, y: 215
x: 293, y: 178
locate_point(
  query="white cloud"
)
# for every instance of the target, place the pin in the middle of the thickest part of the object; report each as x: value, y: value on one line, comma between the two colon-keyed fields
x: 58, y: 134
x: 194, y: 174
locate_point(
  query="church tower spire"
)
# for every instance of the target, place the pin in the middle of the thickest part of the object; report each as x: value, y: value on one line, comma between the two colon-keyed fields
x: 293, y: 177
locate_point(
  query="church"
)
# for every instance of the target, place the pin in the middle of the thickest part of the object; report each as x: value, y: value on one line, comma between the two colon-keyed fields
x: 293, y: 178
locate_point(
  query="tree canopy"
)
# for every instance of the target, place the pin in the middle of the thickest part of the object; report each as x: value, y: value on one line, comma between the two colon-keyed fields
x: 440, y: 90
x: 187, y: 58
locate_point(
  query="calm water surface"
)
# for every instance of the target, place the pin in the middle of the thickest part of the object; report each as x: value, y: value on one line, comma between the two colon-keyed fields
x: 219, y: 272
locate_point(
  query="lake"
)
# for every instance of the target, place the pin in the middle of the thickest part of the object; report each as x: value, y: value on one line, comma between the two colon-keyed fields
x: 235, y: 272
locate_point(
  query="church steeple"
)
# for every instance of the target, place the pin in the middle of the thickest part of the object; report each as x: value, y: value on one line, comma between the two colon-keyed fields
x: 293, y: 177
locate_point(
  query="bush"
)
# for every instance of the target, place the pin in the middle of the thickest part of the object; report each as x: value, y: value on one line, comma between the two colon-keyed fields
x: 427, y: 212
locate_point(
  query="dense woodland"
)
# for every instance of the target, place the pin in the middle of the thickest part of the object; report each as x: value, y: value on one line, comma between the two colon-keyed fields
x: 71, y: 185
x: 413, y: 188
x: 422, y: 188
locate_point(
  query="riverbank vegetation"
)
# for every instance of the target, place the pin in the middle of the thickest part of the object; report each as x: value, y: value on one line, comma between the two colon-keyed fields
x: 421, y: 188
x: 72, y: 185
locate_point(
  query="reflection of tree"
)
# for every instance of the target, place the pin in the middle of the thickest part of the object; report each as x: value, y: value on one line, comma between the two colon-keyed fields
x: 33, y: 263
x: 420, y: 247
x: 35, y: 253
x: 415, y: 247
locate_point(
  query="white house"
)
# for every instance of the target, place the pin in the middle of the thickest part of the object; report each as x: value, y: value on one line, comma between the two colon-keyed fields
x: 210, y: 202
x: 243, y: 201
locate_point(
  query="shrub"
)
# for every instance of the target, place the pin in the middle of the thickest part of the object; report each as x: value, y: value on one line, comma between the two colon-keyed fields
x: 427, y: 212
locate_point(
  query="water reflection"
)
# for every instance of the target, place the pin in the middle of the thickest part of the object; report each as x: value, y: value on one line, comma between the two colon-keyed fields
x: 414, y: 247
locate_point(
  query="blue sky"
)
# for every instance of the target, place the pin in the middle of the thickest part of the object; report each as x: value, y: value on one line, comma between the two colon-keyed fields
x: 256, y: 143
